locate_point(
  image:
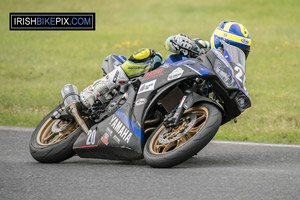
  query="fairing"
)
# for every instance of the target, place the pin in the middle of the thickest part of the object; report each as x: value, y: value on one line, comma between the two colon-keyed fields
x: 121, y: 136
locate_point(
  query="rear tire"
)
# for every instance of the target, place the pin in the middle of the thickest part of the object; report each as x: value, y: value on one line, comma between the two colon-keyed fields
x: 47, y: 146
x: 169, y: 147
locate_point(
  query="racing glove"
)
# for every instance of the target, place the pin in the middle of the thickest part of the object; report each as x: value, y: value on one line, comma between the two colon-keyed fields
x: 182, y: 43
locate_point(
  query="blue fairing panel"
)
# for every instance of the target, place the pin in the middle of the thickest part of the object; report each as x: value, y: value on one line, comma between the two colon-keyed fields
x: 180, y: 60
x: 126, y: 120
x: 174, y: 58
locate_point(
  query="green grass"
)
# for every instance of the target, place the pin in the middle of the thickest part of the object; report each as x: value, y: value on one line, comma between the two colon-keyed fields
x: 35, y: 65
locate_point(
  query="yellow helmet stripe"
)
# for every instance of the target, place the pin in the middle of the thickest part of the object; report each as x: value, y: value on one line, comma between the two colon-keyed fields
x: 233, y: 37
x: 212, y: 41
x: 228, y: 25
x: 243, y: 30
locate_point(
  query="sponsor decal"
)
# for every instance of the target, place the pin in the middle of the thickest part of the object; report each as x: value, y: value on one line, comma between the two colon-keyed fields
x: 118, y: 126
x: 104, y: 138
x: 153, y: 74
x: 117, y: 139
x: 140, y: 102
x: 175, y: 74
x: 109, y: 131
x: 116, y: 76
x: 146, y: 87
x: 245, y: 41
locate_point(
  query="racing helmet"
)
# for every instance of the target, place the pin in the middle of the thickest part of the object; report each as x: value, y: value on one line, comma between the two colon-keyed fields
x: 233, y: 33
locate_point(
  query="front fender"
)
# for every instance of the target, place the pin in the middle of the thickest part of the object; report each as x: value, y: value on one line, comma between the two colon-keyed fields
x: 162, y: 91
x: 194, y: 99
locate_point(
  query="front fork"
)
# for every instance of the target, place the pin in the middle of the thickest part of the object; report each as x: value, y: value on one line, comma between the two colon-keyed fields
x: 173, y: 118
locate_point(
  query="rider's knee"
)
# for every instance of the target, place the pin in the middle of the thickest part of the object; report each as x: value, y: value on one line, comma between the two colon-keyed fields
x: 141, y: 61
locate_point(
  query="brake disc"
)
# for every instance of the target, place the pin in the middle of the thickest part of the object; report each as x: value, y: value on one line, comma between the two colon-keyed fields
x: 168, y: 135
x: 56, y: 129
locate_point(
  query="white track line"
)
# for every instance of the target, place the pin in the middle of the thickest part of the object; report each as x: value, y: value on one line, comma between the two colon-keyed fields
x: 28, y: 129
x: 17, y: 129
x: 255, y: 144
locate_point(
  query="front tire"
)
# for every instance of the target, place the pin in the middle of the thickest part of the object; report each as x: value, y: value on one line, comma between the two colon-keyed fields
x: 167, y: 147
x: 52, y: 140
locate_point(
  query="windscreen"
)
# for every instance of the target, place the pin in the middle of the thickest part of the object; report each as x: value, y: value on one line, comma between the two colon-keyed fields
x: 234, y: 54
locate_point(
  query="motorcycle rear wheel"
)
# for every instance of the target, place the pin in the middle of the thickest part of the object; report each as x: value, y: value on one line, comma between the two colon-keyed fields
x: 52, y: 140
x: 167, y: 147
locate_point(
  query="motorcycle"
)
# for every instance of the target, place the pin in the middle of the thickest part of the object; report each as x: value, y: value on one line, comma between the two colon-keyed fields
x: 166, y: 117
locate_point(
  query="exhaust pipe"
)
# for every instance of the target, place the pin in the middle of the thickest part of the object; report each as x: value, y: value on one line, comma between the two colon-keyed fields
x: 69, y: 94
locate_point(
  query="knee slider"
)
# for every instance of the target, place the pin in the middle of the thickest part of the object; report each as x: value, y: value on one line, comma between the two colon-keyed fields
x: 146, y: 56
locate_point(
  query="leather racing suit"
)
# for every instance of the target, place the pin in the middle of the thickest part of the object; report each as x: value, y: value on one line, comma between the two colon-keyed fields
x: 139, y: 63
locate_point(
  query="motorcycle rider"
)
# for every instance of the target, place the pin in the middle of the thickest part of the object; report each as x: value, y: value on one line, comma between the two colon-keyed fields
x: 147, y: 59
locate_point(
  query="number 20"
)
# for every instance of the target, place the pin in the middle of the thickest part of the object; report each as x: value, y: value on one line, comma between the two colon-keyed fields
x: 91, y: 137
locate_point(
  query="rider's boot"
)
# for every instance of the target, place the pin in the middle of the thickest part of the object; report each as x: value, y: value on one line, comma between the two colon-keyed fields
x: 100, y: 87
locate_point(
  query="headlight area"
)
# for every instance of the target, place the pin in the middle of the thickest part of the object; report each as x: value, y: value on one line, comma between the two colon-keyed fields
x: 224, y: 74
x: 243, y: 101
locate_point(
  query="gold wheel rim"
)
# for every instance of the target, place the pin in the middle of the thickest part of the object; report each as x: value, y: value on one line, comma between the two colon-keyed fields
x: 46, y: 136
x: 158, y: 148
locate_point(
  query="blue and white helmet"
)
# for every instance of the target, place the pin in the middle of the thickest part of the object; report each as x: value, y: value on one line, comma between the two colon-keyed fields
x: 233, y: 33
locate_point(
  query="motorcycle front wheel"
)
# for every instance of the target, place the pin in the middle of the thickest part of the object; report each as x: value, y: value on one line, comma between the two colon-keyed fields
x: 167, y: 147
x: 52, y: 140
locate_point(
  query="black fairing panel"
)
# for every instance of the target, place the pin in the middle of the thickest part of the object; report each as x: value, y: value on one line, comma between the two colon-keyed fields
x: 117, y: 137
x: 161, y: 81
x: 227, y: 95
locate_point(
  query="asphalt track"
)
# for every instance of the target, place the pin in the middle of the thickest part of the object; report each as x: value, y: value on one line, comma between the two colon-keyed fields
x: 222, y: 170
